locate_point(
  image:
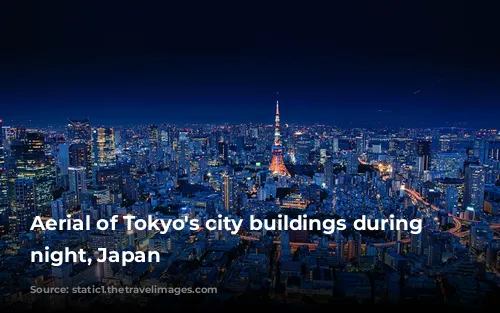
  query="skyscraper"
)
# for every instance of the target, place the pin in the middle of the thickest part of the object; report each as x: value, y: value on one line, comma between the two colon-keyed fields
x: 30, y: 161
x: 79, y: 156
x: 2, y: 151
x: 474, y: 187
x: 80, y: 136
x: 480, y: 149
x: 424, y: 154
x: 228, y: 192
x: 79, y: 131
x: 493, y: 150
x: 452, y: 200
x: 223, y: 150
x: 63, y: 158
x: 351, y: 163
x: 24, y: 209
x: 183, y: 152
x: 416, y: 243
x: 329, y: 174
x: 449, y: 164
x: 103, y: 148
x: 77, y: 181
x: 480, y: 235
x: 4, y: 200
x: 4, y: 187
x: 277, y: 166
x: 335, y: 145
x: 154, y: 142
x: 361, y: 144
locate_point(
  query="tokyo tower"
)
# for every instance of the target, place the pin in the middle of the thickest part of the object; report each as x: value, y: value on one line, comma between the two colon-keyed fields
x: 277, y: 166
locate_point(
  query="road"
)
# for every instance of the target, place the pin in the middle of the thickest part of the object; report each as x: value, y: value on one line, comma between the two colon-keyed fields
x: 412, y: 193
x: 457, y: 220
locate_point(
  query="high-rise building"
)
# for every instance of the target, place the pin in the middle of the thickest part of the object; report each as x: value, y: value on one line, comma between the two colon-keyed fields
x: 165, y: 138
x: 357, y: 246
x: 80, y: 140
x: 329, y: 173
x: 351, y: 163
x: 63, y: 158
x: 286, y: 252
x: 361, y: 144
x: 445, y: 143
x: 452, y: 200
x: 58, y: 210
x: 223, y: 150
x: 449, y: 164
x: 340, y: 247
x: 28, y: 153
x: 183, y: 152
x: 79, y: 131
x: 4, y: 201
x: 469, y: 213
x: 474, y: 188
x: 28, y: 150
x: 228, y: 192
x: 493, y: 150
x: 424, y: 154
x: 77, y: 181
x: 79, y: 155
x: 480, y: 149
x: 394, y: 145
x: 4, y: 187
x: 103, y: 148
x: 335, y: 145
x: 154, y: 142
x: 277, y: 166
x: 24, y: 209
x: 416, y: 243
x: 2, y: 149
x: 480, y: 235
x: 303, y: 144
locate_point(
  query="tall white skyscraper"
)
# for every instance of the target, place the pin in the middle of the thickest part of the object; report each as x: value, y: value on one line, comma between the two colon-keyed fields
x: 474, y: 188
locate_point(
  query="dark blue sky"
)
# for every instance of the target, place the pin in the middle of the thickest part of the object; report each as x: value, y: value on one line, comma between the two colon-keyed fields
x: 344, y: 64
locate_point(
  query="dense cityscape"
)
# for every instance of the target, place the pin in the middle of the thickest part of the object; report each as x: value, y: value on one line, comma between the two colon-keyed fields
x: 446, y: 177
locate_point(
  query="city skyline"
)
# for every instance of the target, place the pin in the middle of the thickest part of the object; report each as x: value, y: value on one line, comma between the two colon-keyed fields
x: 330, y: 154
x: 446, y: 181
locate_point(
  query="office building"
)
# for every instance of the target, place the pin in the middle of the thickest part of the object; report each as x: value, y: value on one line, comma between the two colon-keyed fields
x: 77, y: 181
x: 424, y: 154
x: 103, y: 148
x: 24, y: 207
x: 79, y: 131
x: 228, y: 193
x: 474, y: 188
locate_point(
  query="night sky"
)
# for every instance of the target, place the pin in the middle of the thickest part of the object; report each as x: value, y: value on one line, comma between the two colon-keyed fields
x: 376, y: 63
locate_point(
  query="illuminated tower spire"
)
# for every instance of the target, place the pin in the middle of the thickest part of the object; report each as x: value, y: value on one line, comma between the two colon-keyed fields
x: 277, y: 165
x: 277, y: 135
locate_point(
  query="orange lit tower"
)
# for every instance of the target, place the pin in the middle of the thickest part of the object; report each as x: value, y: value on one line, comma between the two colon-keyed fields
x: 277, y: 166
